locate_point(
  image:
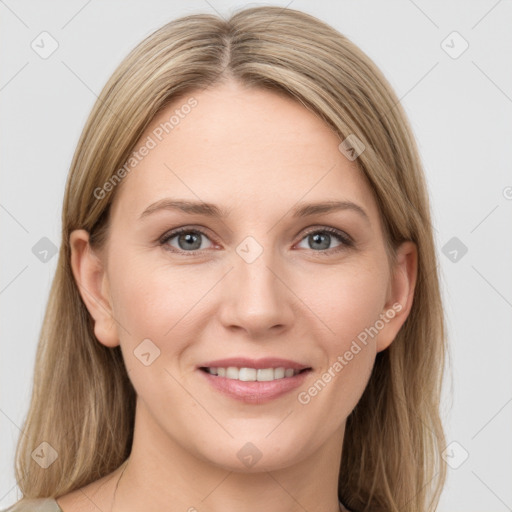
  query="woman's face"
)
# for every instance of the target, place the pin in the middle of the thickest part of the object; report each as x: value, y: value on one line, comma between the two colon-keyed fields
x: 281, y: 256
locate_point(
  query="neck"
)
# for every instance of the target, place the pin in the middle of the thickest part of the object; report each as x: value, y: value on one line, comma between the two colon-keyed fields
x: 161, y: 475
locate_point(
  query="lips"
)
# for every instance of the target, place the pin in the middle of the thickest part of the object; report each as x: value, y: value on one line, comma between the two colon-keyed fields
x: 226, y: 376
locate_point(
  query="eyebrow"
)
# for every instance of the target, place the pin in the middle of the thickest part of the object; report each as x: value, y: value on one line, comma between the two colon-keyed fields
x: 211, y: 210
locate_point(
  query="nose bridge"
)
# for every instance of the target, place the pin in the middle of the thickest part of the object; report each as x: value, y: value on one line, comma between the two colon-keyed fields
x: 257, y: 298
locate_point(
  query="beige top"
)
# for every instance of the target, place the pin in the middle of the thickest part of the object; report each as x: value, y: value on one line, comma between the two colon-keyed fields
x: 35, y: 505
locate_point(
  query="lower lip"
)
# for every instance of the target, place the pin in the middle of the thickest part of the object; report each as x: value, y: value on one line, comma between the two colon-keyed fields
x: 255, y: 392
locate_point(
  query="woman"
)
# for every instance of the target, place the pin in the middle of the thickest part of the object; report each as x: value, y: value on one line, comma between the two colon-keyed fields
x: 246, y: 311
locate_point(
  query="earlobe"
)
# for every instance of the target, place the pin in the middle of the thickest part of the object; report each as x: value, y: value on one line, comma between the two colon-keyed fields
x: 401, y: 293
x: 90, y: 277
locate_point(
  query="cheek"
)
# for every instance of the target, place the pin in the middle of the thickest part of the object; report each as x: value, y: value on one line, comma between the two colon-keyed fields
x: 349, y: 302
x: 348, y: 299
x: 153, y: 297
x: 155, y: 302
x: 155, y: 305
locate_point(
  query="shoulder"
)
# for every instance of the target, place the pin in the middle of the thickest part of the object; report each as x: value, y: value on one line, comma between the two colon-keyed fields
x: 35, y: 505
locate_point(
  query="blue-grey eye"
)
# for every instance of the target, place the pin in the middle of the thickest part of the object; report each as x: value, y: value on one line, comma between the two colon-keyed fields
x: 322, y: 240
x: 187, y: 240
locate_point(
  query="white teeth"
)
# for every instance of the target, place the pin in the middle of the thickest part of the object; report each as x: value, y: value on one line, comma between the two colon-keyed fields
x: 253, y: 374
x: 279, y: 373
x: 265, y: 374
x: 247, y: 374
x: 232, y: 372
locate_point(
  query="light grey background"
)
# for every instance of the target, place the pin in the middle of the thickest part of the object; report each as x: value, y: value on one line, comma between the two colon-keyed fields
x: 460, y: 109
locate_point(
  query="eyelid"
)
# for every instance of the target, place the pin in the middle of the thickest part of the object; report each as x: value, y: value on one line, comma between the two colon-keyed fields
x: 343, y: 235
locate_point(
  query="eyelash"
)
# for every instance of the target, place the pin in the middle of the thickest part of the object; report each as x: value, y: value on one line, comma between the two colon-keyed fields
x: 344, y: 239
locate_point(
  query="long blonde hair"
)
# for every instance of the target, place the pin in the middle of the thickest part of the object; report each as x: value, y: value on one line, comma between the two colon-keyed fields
x: 83, y: 403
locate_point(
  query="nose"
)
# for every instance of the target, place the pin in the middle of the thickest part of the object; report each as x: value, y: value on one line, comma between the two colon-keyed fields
x: 256, y: 298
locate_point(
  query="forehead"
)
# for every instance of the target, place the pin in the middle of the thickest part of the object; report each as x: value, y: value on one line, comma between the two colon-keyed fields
x: 244, y: 149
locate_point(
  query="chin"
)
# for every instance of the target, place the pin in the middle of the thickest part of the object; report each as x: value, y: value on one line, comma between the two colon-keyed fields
x: 241, y: 455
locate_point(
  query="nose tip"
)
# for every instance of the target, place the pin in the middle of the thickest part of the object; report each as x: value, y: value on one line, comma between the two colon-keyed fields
x: 255, y: 300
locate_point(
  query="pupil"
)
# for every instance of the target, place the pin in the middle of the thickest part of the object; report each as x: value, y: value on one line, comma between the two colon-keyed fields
x: 323, y: 241
x: 189, y: 241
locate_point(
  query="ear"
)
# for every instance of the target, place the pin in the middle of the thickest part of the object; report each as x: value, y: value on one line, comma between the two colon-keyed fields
x: 400, y: 293
x: 90, y: 276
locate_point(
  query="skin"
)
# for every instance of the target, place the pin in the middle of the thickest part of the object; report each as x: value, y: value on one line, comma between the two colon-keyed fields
x: 257, y: 154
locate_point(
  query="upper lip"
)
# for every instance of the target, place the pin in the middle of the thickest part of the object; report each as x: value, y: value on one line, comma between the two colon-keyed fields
x: 244, y: 362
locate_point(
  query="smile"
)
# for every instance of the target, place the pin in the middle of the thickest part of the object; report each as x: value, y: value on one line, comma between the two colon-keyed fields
x: 257, y: 383
x: 253, y: 374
